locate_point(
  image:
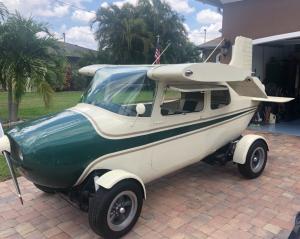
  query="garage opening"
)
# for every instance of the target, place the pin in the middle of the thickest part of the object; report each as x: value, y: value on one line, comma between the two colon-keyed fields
x: 277, y: 63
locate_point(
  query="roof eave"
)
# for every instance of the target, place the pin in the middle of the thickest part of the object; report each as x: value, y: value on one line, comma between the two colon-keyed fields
x: 216, y: 3
x: 219, y: 3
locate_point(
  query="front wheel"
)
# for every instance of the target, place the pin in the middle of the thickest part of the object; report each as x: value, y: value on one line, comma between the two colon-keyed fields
x: 113, y: 212
x: 255, y: 161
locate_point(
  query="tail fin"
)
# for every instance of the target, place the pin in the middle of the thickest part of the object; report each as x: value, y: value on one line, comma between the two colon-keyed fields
x: 242, y: 53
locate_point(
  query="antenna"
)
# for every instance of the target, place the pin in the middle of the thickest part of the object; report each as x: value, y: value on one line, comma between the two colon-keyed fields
x: 214, y: 50
x: 169, y: 44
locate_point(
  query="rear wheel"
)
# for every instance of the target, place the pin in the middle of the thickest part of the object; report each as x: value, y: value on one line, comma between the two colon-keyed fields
x: 45, y: 189
x: 113, y: 212
x: 255, y: 161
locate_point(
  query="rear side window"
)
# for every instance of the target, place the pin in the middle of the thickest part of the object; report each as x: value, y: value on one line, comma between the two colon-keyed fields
x: 177, y: 102
x: 219, y: 99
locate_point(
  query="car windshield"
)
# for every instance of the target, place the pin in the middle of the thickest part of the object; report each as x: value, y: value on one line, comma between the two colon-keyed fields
x: 119, y: 89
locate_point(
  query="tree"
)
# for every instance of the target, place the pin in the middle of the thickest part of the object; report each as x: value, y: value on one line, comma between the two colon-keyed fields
x: 130, y: 33
x: 122, y: 33
x: 30, y: 59
x: 3, y: 11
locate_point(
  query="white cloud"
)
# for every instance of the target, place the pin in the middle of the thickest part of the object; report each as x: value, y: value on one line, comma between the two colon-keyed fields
x: 83, y: 16
x: 122, y: 2
x: 56, y: 11
x: 79, y: 35
x: 212, y: 31
x: 181, y: 6
x: 207, y: 16
x: 105, y: 5
x: 82, y: 36
x: 211, y: 22
x: 42, y: 8
x: 187, y: 27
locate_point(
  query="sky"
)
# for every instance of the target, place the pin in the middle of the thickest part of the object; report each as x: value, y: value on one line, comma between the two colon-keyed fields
x: 62, y: 17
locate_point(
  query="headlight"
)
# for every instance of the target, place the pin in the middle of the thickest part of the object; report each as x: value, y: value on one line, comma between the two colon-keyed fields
x: 4, y: 144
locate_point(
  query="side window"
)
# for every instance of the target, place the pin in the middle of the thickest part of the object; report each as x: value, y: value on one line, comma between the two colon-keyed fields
x: 219, y: 99
x: 177, y: 102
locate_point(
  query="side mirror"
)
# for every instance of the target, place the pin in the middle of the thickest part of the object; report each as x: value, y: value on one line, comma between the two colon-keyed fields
x: 140, y: 109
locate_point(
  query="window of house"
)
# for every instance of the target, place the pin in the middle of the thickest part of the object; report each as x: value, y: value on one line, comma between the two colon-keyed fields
x: 219, y: 99
x: 178, y: 102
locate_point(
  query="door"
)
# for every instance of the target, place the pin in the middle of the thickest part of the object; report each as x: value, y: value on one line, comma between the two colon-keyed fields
x: 178, y: 117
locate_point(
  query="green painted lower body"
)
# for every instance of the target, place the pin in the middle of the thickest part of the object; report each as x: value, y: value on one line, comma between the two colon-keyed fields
x: 56, y: 149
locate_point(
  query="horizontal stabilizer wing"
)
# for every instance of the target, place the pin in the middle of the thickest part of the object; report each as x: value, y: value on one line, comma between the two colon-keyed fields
x: 251, y: 87
x: 273, y: 99
x: 198, y: 72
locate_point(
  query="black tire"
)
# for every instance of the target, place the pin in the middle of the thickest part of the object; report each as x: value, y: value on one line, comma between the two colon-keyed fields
x: 45, y: 189
x: 103, y: 203
x: 258, y: 149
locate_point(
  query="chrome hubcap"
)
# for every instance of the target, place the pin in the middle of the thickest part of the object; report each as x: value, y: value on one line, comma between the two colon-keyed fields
x: 122, y: 210
x: 257, y: 159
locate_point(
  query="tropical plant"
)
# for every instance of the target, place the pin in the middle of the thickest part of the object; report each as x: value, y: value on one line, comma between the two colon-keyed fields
x: 130, y: 33
x: 122, y: 33
x: 3, y: 11
x: 30, y: 59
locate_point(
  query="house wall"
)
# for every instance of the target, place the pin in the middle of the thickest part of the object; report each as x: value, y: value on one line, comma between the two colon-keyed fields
x: 260, y: 18
x: 213, y: 57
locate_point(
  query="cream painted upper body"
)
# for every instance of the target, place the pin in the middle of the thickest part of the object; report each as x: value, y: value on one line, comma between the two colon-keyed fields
x: 156, y: 159
x: 160, y: 158
x: 112, y: 125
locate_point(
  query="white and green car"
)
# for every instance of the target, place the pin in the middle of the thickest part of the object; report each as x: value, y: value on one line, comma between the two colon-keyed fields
x: 135, y: 124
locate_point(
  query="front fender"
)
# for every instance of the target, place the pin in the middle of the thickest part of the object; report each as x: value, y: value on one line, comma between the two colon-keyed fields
x: 111, y: 178
x: 243, y: 145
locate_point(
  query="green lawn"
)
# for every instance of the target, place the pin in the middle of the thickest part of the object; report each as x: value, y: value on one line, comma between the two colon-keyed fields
x: 4, y: 173
x: 32, y: 106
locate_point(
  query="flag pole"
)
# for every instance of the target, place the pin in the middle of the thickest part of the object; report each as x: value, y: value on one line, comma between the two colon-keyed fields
x: 162, y: 53
x: 210, y: 55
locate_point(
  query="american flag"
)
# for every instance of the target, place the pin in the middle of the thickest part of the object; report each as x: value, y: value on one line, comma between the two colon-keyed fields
x: 157, y: 52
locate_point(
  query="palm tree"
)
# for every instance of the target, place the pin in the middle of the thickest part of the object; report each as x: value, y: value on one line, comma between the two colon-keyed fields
x: 3, y: 11
x: 30, y: 59
x: 130, y: 33
x: 121, y: 31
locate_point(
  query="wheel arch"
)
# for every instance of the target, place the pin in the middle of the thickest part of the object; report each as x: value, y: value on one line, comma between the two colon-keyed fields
x: 243, y: 145
x: 111, y: 178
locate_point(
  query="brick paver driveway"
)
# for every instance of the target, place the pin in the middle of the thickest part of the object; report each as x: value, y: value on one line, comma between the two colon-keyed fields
x: 201, y: 201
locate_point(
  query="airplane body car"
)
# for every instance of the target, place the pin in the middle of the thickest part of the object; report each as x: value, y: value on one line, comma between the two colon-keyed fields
x: 135, y: 124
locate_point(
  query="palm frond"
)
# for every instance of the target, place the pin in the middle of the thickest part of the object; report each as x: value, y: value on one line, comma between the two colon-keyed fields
x: 46, y: 91
x: 3, y: 11
x: 29, y: 60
